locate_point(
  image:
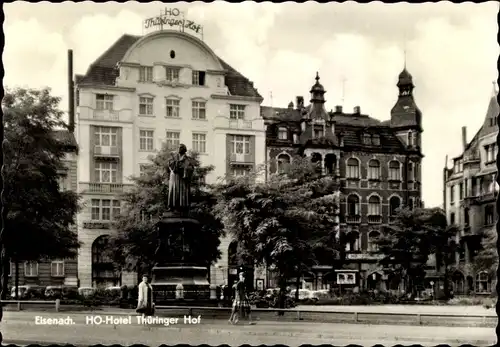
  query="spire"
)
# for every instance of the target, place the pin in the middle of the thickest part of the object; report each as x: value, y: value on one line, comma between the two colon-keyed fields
x: 317, y: 91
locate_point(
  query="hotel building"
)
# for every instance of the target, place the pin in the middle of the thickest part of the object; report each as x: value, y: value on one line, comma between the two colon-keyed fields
x: 470, y: 194
x: 144, y: 91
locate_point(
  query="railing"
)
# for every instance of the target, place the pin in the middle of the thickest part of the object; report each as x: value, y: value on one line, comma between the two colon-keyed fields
x: 87, y: 113
x: 364, y: 256
x: 20, y: 303
x: 103, y: 188
x: 240, y: 124
x: 356, y: 316
x: 107, y: 151
x: 353, y: 219
x: 374, y: 219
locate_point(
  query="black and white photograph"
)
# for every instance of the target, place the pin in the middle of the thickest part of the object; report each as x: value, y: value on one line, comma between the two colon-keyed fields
x: 249, y: 173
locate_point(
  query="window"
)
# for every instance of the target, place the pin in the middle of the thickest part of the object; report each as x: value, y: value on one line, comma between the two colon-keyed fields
x: 105, y: 136
x: 353, y: 205
x: 173, y: 139
x: 239, y: 171
x: 352, y: 168
x: 372, y: 241
x: 374, y: 170
x: 198, y: 78
x: 489, y: 215
x: 31, y: 269
x: 411, y: 139
x: 105, y: 209
x: 199, y: 143
x: 367, y: 139
x: 394, y: 205
x: 411, y: 203
x: 452, y: 194
x: 172, y: 74
x: 466, y: 216
x: 145, y: 106
x: 106, y: 172
x: 352, y: 244
x: 491, y: 152
x: 104, y: 102
x: 199, y: 110
x: 394, y: 171
x: 283, y: 163
x: 146, y: 74
x: 12, y: 268
x: 142, y: 169
x: 240, y: 144
x: 461, y: 191
x: 237, y: 111
x: 411, y: 172
x: 318, y: 133
x: 57, y: 268
x: 172, y: 107
x: 146, y: 140
x: 483, y: 282
x: 376, y: 140
x: 282, y: 134
x: 374, y: 206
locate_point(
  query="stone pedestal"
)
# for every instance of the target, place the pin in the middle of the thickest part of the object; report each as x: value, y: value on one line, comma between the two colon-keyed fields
x: 174, y: 268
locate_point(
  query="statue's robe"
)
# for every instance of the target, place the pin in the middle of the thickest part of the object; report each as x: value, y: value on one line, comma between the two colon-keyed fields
x: 179, y: 183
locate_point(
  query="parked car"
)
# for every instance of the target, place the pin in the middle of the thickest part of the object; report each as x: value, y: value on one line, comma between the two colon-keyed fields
x: 86, y: 291
x: 28, y: 292
x: 53, y: 292
x: 305, y: 295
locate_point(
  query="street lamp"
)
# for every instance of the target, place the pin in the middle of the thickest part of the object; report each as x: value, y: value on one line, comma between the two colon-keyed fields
x: 432, y: 286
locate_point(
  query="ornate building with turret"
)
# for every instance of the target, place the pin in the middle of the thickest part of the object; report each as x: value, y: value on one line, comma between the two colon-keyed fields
x: 470, y: 193
x: 377, y: 164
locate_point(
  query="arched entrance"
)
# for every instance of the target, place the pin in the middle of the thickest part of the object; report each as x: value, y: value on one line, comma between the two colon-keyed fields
x: 103, y: 271
x: 458, y: 283
x: 236, y: 265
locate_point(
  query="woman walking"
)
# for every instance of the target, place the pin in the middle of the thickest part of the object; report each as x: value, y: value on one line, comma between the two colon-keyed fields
x: 145, y: 304
x: 241, y: 304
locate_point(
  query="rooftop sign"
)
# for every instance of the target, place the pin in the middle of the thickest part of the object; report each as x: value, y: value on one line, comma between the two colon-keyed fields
x: 172, y: 18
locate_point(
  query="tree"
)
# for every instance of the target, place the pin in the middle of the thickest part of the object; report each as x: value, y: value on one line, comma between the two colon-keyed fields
x: 284, y: 222
x: 408, y: 242
x: 487, y: 257
x: 35, y: 209
x: 137, y: 236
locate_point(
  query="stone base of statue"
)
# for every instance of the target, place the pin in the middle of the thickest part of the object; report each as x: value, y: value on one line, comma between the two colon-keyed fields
x: 176, y: 276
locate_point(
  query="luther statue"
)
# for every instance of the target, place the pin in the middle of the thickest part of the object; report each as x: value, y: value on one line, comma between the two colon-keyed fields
x: 181, y: 170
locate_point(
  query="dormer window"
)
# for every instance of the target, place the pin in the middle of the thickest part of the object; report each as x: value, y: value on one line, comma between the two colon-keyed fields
x: 318, y: 133
x: 198, y: 78
x: 146, y: 74
x: 282, y: 133
x: 376, y: 140
x: 172, y: 74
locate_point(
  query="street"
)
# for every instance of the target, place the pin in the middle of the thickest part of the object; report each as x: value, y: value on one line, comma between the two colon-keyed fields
x: 20, y: 328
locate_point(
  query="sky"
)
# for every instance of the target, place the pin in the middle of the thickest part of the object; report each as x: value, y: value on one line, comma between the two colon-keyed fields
x: 358, y: 50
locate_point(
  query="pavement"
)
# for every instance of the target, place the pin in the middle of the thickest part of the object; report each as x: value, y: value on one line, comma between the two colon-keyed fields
x: 21, y: 328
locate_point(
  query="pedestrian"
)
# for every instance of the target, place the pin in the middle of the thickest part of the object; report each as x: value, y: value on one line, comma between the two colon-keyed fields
x: 145, y: 304
x: 241, y: 304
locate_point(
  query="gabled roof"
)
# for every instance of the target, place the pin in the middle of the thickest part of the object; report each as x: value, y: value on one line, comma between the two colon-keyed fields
x: 103, y: 71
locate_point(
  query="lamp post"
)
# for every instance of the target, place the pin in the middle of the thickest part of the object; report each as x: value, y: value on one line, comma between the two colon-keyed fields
x: 433, y: 294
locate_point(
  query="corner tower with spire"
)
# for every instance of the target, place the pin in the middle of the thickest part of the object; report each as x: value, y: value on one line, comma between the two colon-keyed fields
x: 406, y: 117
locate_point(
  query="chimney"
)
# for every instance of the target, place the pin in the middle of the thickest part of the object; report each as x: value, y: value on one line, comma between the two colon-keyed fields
x: 357, y: 110
x: 71, y: 93
x: 338, y: 109
x: 464, y: 137
x: 300, y: 102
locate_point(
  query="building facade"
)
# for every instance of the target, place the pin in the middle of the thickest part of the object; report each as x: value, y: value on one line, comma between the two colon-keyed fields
x: 377, y: 165
x: 55, y: 272
x: 470, y: 193
x: 167, y: 87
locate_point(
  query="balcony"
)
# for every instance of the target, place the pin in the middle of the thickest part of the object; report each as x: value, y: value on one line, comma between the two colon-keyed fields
x: 364, y: 256
x: 104, y: 188
x: 353, y: 219
x: 484, y: 197
x: 223, y: 122
x: 97, y: 225
x: 235, y: 158
x: 374, y: 219
x: 106, y: 151
x: 90, y: 114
